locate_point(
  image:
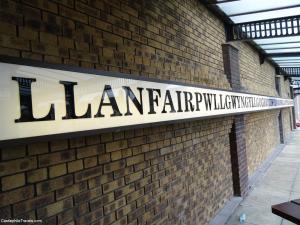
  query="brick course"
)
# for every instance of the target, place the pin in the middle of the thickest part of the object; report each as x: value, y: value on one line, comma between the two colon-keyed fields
x: 132, y: 188
x: 258, y: 126
x: 260, y: 79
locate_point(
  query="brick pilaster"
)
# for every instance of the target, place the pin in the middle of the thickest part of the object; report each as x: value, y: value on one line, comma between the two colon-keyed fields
x: 232, y: 66
x: 281, y: 132
x: 237, y: 135
x: 239, y: 156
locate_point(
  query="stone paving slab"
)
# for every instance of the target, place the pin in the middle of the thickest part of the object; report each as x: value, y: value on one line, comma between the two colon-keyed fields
x: 280, y: 183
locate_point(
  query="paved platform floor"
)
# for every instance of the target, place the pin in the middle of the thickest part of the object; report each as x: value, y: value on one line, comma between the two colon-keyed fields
x: 280, y: 183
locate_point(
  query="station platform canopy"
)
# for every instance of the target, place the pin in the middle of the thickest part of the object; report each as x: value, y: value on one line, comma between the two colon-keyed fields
x: 272, y: 26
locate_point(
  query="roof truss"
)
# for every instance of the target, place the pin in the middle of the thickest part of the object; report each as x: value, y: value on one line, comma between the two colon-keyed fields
x: 271, y: 28
x: 288, y: 71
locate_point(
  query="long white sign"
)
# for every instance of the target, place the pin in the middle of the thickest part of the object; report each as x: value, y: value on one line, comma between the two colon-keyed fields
x: 38, y: 101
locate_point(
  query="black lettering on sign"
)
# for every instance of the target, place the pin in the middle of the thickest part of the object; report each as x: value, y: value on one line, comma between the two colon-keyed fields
x: 198, y: 100
x: 217, y: 106
x: 208, y: 101
x: 188, y: 97
x: 179, y: 101
x: 234, y: 101
x: 70, y: 102
x: 26, y: 102
x: 168, y: 101
x: 130, y: 94
x: 222, y: 106
x: 227, y: 102
x: 153, y: 99
x: 112, y: 102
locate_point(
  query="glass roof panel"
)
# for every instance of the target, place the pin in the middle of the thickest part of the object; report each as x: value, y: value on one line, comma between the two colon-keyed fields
x: 287, y: 58
x: 266, y: 15
x: 254, y: 10
x: 287, y: 61
x: 278, y: 40
x: 290, y: 64
x: 283, y: 50
x: 276, y: 46
x: 243, y: 6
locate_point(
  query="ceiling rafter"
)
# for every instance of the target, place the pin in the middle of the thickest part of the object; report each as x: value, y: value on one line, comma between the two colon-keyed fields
x: 283, y: 54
